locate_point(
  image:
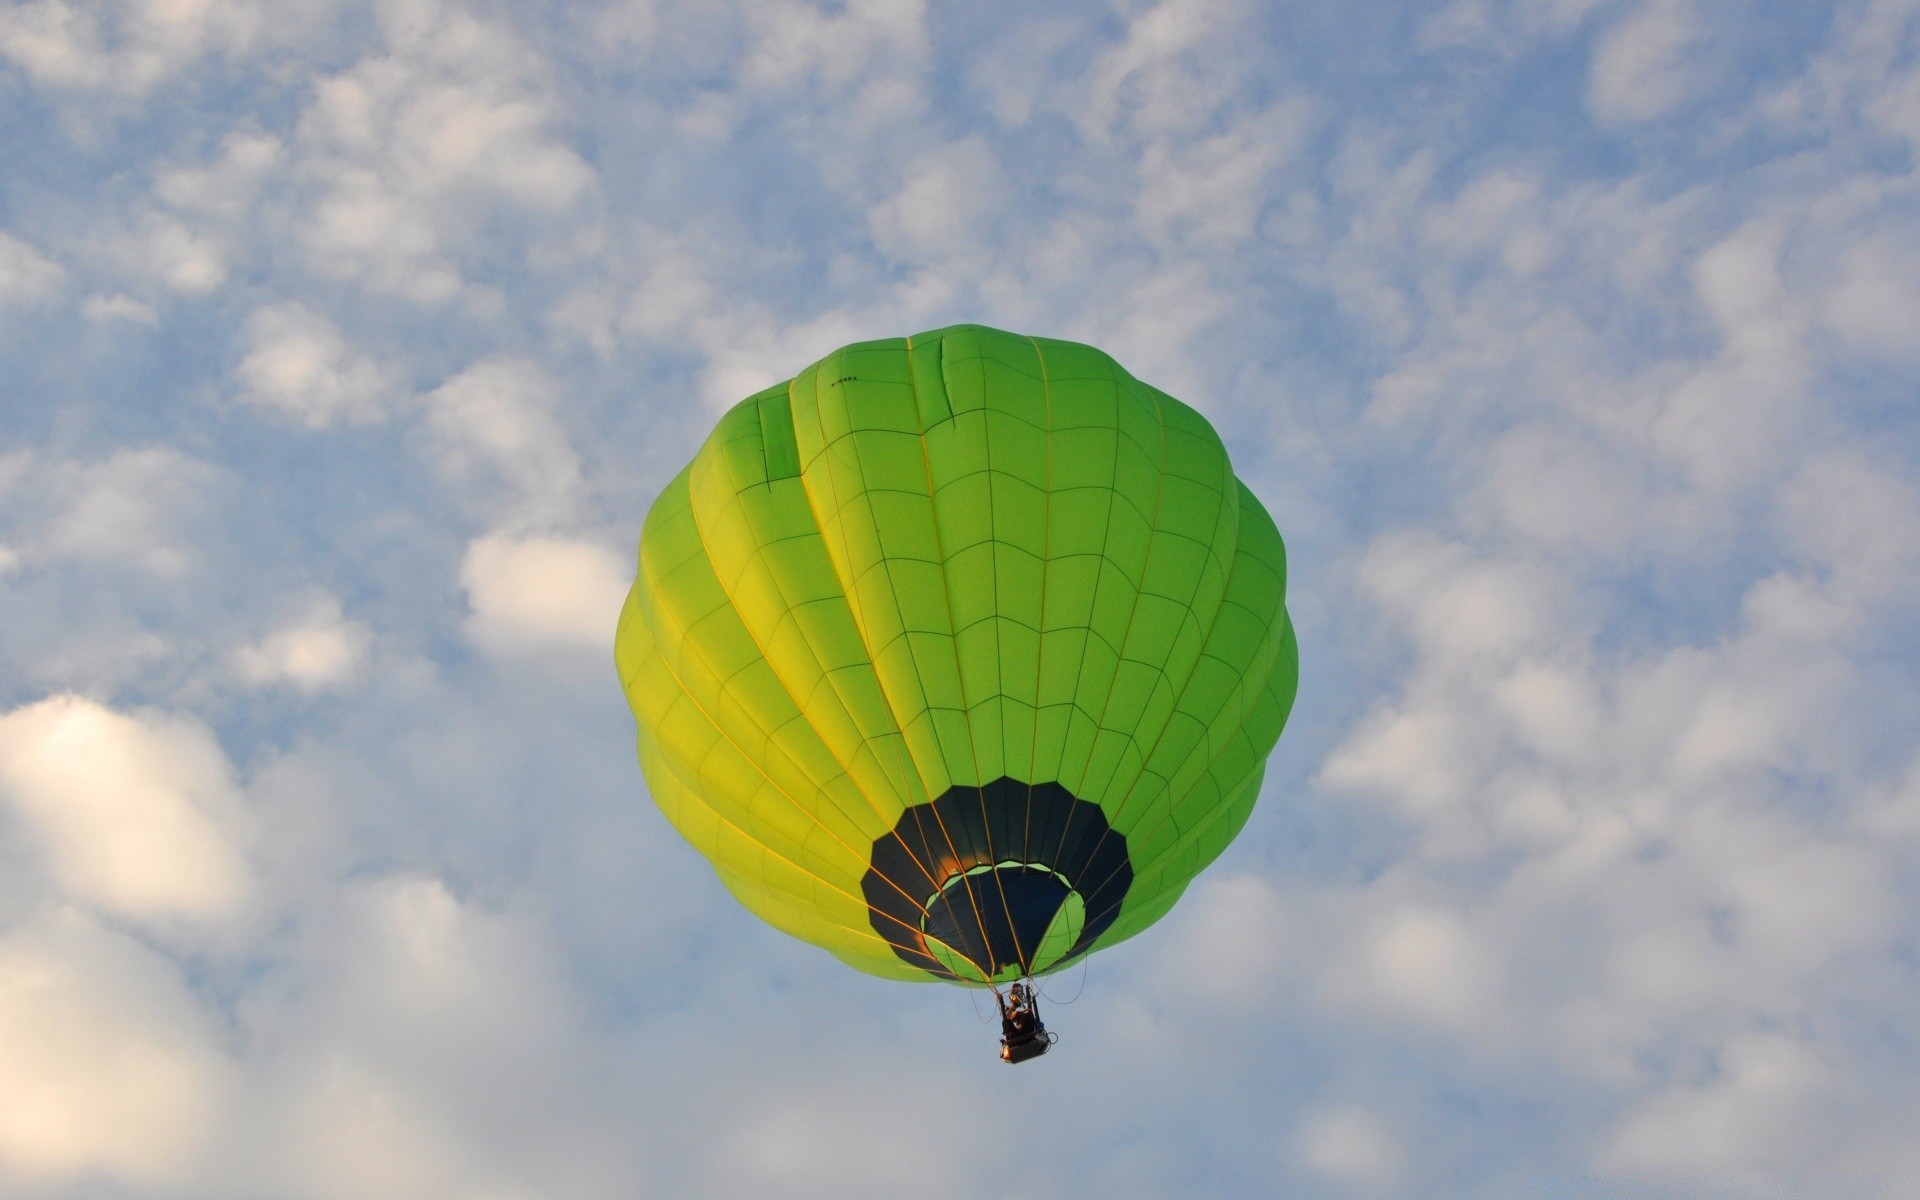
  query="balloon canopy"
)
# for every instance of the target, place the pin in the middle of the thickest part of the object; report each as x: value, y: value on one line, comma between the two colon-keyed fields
x: 958, y: 655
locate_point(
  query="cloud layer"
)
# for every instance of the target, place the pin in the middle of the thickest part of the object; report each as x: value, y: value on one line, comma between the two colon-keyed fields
x: 1570, y: 342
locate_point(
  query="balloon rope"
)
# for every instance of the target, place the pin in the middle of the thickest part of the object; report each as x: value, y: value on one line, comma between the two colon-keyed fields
x: 1086, y: 964
x: 973, y: 998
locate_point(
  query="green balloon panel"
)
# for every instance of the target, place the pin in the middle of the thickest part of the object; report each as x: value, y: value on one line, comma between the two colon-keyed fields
x: 943, y: 562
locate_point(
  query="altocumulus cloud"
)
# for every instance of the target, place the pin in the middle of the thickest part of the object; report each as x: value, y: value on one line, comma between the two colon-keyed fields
x: 1570, y: 342
x: 129, y: 811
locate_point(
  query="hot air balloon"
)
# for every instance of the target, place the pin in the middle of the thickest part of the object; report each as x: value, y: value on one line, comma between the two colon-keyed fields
x: 958, y: 655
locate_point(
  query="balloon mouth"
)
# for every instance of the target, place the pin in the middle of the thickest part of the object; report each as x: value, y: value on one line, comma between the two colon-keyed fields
x: 1003, y: 920
x: 991, y: 883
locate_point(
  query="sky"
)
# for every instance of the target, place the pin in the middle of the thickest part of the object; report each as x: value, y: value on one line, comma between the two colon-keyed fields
x: 1573, y: 345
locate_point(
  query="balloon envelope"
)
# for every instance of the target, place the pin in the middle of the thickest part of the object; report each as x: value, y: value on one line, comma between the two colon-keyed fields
x: 958, y: 655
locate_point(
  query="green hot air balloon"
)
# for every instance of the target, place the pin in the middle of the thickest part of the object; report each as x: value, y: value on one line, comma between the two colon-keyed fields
x: 958, y: 655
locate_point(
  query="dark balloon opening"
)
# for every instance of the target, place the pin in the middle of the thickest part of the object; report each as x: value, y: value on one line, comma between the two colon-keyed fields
x: 997, y: 919
x: 985, y: 870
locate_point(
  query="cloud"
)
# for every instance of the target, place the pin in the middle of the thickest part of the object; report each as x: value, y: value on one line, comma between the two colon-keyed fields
x: 1214, y: 190
x: 137, y: 814
x: 354, y: 1133
x: 119, y: 307
x: 127, y: 47
x: 1875, y: 304
x: 408, y: 150
x: 796, y: 42
x: 1425, y: 964
x: 319, y: 649
x: 1580, y: 396
x: 427, y: 1046
x: 1579, y: 490
x: 1644, y: 66
x: 1169, y: 73
x: 201, y: 221
x: 1853, y: 517
x: 946, y: 208
x: 496, y: 436
x: 1350, y: 1145
x: 134, y: 508
x: 1027, y: 72
x: 27, y: 276
x: 1459, y: 606
x: 108, y: 1066
x: 184, y: 259
x: 299, y: 365
x: 533, y: 593
x: 1730, y: 417
x: 1227, y: 945
x: 226, y: 186
x: 1748, y: 1123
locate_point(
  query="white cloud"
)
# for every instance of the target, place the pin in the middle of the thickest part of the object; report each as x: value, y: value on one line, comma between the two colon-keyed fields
x: 126, y: 47
x: 226, y: 186
x: 625, y: 25
x: 133, y: 509
x: 299, y: 365
x: 27, y: 276
x: 195, y: 229
x: 496, y: 434
x: 1426, y: 758
x: 1351, y: 1145
x: 530, y: 593
x: 1227, y: 943
x: 1169, y: 74
x: 797, y: 43
x: 182, y: 257
x: 681, y: 291
x: 119, y: 306
x: 1026, y: 72
x: 1600, y: 802
x: 107, y: 1065
x: 1858, y: 519
x: 355, y: 1134
x: 1638, y: 799
x: 1213, y: 190
x: 947, y: 207
x: 1158, y: 317
x: 136, y: 814
x: 1578, y: 491
x: 319, y: 649
x: 1427, y: 964
x: 1743, y: 1126
x: 1498, y: 211
x: 408, y: 149
x: 846, y: 1139
x: 1863, y: 75
x: 1875, y: 303
x: 428, y: 1044
x: 1644, y: 65
x: 1458, y: 606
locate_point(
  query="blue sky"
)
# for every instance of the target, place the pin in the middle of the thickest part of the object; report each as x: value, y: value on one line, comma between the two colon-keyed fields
x: 1572, y: 344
